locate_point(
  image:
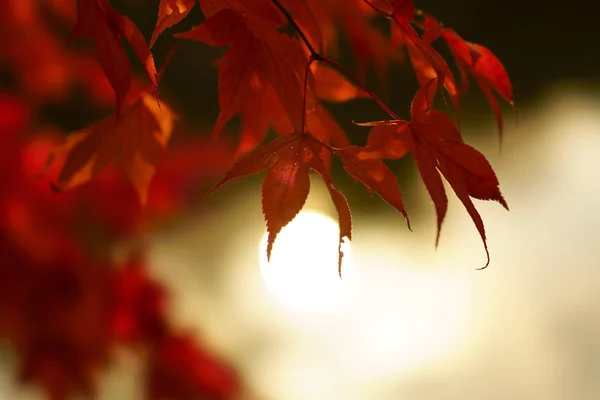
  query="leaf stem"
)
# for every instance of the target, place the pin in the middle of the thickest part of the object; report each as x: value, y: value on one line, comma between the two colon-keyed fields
x: 332, y: 149
x: 316, y: 56
x: 393, y: 17
x: 379, y: 11
x: 166, y: 61
x: 361, y: 85
x: 304, y: 111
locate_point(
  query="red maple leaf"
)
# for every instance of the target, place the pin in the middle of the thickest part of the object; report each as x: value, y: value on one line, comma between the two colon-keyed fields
x: 135, y: 142
x: 285, y: 188
x: 354, y: 19
x: 98, y: 20
x: 427, y: 62
x: 258, y: 57
x: 477, y: 60
x: 170, y: 12
x: 374, y: 174
x: 439, y: 150
x: 330, y: 85
x: 288, y: 160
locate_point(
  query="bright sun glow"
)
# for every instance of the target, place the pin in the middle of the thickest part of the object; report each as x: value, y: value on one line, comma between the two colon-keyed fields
x: 303, y: 268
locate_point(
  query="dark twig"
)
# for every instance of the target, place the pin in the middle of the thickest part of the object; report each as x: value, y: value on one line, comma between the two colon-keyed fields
x: 304, y: 111
x: 316, y: 56
x: 361, y: 85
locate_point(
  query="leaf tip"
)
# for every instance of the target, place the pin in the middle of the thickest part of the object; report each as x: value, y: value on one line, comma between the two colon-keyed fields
x: 437, y: 238
x: 155, y: 34
x: 487, y: 253
x: 270, y: 242
x: 215, y: 188
x: 485, y: 266
x: 340, y: 258
x: 503, y: 202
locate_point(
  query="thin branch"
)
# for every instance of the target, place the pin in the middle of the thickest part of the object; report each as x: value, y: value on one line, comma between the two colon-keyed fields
x: 393, y: 17
x: 377, y: 10
x: 316, y: 56
x: 324, y: 144
x: 361, y: 85
x: 304, y: 111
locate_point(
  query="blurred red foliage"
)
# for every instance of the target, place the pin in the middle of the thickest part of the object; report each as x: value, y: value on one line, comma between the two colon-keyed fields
x: 65, y: 304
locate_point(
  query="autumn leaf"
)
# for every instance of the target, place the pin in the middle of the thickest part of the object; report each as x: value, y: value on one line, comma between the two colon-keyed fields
x: 285, y: 188
x: 256, y: 122
x: 383, y: 142
x: 170, y: 12
x: 352, y: 21
x: 487, y: 70
x: 135, y: 142
x: 308, y: 22
x: 480, y: 62
x: 321, y: 124
x: 426, y: 71
x: 404, y: 10
x: 261, y: 17
x: 98, y: 20
x: 332, y: 86
x: 428, y: 57
x: 374, y: 174
x: 339, y: 200
x: 438, y: 150
x: 262, y: 78
x: 427, y: 63
x: 256, y: 58
x: 222, y: 29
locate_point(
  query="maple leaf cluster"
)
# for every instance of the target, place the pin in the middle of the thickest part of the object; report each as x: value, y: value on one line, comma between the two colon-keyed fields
x: 275, y: 75
x: 276, y: 72
x: 67, y: 200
